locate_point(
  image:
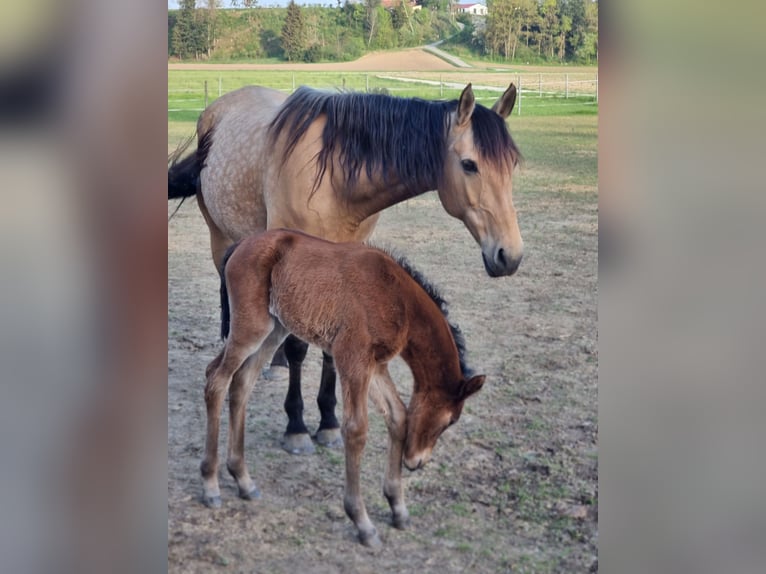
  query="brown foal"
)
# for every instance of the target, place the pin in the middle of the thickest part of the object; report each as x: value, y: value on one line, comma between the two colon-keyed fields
x: 364, y: 308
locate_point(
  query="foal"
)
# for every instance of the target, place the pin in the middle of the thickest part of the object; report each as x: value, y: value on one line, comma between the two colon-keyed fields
x: 363, y: 308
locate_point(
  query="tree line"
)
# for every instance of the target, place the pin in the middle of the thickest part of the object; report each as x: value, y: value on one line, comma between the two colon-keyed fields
x: 537, y: 30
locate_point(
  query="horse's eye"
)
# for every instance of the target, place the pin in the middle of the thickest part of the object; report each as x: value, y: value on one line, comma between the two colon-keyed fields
x: 469, y: 166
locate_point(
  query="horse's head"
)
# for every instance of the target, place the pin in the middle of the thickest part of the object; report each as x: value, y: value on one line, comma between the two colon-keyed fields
x: 428, y: 416
x: 476, y: 183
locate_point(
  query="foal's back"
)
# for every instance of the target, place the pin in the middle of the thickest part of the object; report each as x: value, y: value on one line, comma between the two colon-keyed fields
x: 327, y: 293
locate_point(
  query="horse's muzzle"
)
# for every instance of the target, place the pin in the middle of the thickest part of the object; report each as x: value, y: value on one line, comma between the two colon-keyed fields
x: 500, y: 264
x: 416, y: 463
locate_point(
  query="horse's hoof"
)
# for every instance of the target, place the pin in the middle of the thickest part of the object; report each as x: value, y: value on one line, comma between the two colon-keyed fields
x: 276, y: 373
x: 254, y: 494
x: 330, y: 438
x: 401, y: 522
x: 298, y: 444
x: 211, y: 501
x: 370, y: 540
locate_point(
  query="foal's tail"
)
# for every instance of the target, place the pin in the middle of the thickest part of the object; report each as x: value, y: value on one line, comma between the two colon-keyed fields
x: 183, y: 174
x: 225, y: 310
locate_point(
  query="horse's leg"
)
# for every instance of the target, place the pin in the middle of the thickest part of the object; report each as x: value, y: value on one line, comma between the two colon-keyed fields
x: 384, y: 395
x: 355, y: 382
x: 328, y: 433
x: 219, y: 374
x: 296, y: 439
x: 239, y: 392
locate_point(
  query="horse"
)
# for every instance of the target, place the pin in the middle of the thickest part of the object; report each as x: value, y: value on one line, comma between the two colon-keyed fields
x: 362, y: 307
x: 327, y: 163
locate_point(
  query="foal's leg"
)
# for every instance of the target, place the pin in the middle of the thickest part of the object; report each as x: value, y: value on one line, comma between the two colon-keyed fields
x: 296, y: 439
x: 219, y: 375
x: 387, y: 399
x: 239, y: 392
x: 355, y: 383
x: 328, y: 433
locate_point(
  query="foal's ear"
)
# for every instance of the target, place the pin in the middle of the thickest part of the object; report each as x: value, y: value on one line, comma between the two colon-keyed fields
x: 504, y: 105
x: 471, y: 386
x: 465, y: 106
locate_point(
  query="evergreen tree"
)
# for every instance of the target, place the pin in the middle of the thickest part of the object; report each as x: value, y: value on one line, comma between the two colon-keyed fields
x: 184, y: 32
x: 293, y: 35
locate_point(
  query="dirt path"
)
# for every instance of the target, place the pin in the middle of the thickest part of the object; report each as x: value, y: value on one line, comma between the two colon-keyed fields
x: 414, y: 59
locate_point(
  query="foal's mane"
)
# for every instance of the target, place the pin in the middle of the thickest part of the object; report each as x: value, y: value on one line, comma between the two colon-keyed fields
x: 405, y: 136
x: 437, y: 298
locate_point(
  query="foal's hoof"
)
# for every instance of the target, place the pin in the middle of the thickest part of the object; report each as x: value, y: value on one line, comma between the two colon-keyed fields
x: 254, y: 494
x: 401, y: 522
x: 276, y: 373
x: 330, y: 438
x: 211, y: 501
x: 298, y: 444
x: 371, y: 540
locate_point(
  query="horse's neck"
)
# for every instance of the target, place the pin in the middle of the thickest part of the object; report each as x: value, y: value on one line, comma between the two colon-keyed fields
x: 372, y: 196
x: 432, y: 355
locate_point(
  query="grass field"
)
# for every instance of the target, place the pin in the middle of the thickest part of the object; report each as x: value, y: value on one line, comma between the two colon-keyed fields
x: 542, y: 94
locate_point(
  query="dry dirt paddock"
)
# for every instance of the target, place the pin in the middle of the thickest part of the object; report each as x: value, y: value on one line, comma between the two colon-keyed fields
x: 511, y: 487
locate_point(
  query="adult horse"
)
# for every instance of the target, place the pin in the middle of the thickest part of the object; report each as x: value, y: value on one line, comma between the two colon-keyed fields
x: 327, y: 163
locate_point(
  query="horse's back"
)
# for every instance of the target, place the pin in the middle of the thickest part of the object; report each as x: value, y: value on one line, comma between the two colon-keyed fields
x: 232, y: 179
x: 320, y: 290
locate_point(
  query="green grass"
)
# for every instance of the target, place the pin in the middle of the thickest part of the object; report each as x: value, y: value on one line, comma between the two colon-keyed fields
x: 186, y: 90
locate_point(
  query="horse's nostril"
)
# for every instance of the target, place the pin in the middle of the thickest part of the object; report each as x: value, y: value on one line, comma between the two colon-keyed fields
x: 501, y: 257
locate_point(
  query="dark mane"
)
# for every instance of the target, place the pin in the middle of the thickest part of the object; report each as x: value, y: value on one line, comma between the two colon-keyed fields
x: 437, y: 298
x: 401, y: 136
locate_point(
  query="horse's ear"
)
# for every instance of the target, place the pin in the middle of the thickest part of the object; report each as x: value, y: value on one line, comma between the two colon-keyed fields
x: 465, y: 106
x: 471, y: 386
x: 504, y: 105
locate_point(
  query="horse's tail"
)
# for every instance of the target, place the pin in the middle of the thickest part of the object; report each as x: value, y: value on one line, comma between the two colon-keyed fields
x: 225, y: 310
x: 183, y: 174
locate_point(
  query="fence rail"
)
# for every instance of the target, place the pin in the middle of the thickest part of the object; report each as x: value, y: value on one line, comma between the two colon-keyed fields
x: 192, y: 92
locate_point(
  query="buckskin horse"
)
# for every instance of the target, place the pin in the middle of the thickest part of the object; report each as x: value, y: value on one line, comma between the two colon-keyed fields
x: 327, y: 163
x: 361, y: 307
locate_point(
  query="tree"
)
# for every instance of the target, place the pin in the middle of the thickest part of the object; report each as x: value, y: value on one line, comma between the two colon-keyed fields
x: 293, y: 36
x: 211, y: 20
x: 187, y: 40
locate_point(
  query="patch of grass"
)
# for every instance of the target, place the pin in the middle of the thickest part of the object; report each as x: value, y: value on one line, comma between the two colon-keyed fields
x: 460, y: 509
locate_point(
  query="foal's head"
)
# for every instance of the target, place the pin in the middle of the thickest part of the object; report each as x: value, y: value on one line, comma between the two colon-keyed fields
x: 476, y: 184
x: 429, y: 415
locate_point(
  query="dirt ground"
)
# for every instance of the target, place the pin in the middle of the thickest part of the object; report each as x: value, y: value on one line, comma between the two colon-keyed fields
x: 511, y: 487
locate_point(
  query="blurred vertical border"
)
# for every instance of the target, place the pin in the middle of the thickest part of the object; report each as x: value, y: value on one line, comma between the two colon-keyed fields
x: 82, y: 317
x: 681, y: 284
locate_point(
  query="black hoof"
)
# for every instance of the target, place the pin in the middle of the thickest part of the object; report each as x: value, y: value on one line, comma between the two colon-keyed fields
x: 211, y: 501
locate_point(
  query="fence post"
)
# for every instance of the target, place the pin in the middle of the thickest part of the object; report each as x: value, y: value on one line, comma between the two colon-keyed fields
x: 519, y: 94
x: 566, y: 80
x: 205, y: 93
x: 596, y: 87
